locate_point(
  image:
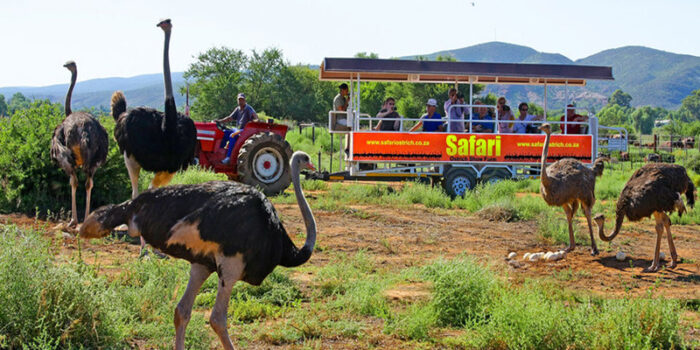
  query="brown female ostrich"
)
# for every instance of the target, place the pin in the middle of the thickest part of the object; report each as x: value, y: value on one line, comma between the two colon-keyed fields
x: 653, y: 189
x: 155, y: 141
x: 568, y: 183
x: 78, y: 142
x: 227, y: 227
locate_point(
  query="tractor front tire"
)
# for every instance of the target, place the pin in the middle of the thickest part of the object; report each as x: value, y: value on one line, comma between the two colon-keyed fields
x: 263, y: 162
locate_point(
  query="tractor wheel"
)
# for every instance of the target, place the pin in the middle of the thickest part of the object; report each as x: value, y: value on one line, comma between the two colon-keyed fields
x: 263, y: 162
x: 495, y: 175
x: 458, y: 181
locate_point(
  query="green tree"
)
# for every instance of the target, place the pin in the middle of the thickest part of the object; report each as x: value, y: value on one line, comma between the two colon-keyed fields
x: 691, y: 105
x: 217, y: 78
x: 643, y: 118
x: 299, y: 95
x: 620, y: 98
x: 614, y: 115
x: 262, y: 76
x: 17, y: 102
x: 3, y: 106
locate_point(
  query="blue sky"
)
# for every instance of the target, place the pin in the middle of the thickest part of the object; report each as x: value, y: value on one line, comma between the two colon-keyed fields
x: 120, y: 38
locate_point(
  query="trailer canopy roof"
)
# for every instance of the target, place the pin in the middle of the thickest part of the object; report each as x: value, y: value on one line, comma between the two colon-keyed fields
x: 369, y: 69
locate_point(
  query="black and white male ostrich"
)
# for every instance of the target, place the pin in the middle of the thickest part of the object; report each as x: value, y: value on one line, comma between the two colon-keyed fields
x: 151, y: 140
x: 653, y: 189
x: 568, y: 183
x: 227, y: 227
x: 78, y: 142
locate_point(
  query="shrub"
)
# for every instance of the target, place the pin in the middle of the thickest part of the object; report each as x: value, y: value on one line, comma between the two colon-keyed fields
x: 462, y: 291
x: 31, y: 182
x: 43, y: 305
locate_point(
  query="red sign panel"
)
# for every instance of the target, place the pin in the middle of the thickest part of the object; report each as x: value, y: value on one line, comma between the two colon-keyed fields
x: 439, y: 147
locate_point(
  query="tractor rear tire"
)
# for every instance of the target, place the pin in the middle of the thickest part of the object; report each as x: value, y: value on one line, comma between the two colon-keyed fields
x: 263, y: 162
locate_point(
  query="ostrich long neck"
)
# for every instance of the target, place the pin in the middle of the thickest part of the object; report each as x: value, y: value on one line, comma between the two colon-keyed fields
x: 73, y: 77
x: 543, y: 164
x: 169, y: 124
x: 293, y: 256
x: 166, y: 67
x: 618, y: 224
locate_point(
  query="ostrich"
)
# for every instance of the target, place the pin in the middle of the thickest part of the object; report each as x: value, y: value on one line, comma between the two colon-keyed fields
x: 227, y: 227
x: 568, y: 183
x: 653, y: 189
x: 159, y: 142
x: 78, y: 142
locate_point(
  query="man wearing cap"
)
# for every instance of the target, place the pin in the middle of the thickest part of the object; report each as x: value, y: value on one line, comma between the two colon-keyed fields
x: 571, y: 116
x: 340, y: 104
x: 431, y: 113
x: 242, y: 115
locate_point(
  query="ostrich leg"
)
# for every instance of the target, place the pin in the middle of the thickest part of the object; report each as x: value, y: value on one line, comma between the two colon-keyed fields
x: 133, y: 168
x: 569, y: 217
x: 88, y: 192
x: 230, y: 271
x: 74, y: 207
x: 587, y: 212
x: 161, y: 179
x: 183, y: 311
x: 659, y: 216
x: 671, y: 246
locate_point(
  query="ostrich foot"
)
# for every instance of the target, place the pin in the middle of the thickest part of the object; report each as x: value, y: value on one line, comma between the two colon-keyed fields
x: 652, y: 268
x: 594, y: 251
x: 570, y: 248
x: 672, y: 265
x: 73, y: 223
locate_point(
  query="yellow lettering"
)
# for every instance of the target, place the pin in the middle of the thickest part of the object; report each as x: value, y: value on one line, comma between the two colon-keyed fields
x: 498, y: 146
x: 472, y: 140
x: 490, y: 145
x: 480, y: 147
x: 463, y: 147
x: 451, y: 147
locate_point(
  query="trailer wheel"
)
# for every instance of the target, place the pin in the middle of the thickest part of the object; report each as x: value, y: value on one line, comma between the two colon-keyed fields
x: 495, y: 175
x: 263, y: 162
x: 458, y: 181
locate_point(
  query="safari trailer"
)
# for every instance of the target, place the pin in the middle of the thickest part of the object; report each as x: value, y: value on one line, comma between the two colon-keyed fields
x: 457, y: 160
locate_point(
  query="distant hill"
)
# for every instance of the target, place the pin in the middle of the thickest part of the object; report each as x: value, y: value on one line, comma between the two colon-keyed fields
x: 652, y: 77
x: 141, y: 90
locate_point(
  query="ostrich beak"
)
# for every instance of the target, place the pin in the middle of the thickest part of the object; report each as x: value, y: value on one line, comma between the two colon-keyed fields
x: 310, y: 166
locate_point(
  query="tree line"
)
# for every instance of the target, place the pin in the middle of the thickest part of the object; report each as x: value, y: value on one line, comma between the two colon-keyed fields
x: 294, y: 92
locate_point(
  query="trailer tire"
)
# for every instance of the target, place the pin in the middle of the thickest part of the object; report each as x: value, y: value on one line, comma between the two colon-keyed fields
x: 495, y: 175
x: 263, y: 162
x: 458, y: 181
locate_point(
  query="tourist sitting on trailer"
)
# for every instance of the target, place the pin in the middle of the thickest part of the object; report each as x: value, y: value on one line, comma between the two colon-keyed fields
x: 522, y: 128
x: 339, y: 121
x: 431, y: 113
x: 456, y: 114
x: 479, y: 116
x: 571, y: 116
x: 504, y: 116
x: 389, y: 111
x: 450, y: 95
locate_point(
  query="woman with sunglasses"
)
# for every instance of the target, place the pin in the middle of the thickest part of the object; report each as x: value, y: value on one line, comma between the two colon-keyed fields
x: 521, y: 128
x: 504, y: 114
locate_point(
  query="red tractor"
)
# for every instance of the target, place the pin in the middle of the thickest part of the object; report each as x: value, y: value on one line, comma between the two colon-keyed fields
x: 260, y: 155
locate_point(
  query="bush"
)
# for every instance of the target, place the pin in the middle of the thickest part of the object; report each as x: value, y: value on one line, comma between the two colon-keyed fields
x: 43, y: 305
x: 31, y: 183
x: 462, y: 291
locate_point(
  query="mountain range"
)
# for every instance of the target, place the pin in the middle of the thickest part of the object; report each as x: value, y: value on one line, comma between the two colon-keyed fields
x: 652, y: 77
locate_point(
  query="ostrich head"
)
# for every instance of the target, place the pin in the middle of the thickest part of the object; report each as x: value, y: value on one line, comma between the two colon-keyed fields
x: 302, y: 161
x: 599, y: 220
x: 71, y: 66
x: 546, y: 128
x: 101, y: 221
x: 165, y: 25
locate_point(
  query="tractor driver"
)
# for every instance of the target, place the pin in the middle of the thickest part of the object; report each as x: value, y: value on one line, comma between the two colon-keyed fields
x: 242, y: 115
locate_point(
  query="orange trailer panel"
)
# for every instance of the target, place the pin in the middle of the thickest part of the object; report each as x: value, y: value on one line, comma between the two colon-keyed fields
x: 441, y: 147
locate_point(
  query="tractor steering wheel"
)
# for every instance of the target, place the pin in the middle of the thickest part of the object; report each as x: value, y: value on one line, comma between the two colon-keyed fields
x: 221, y: 126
